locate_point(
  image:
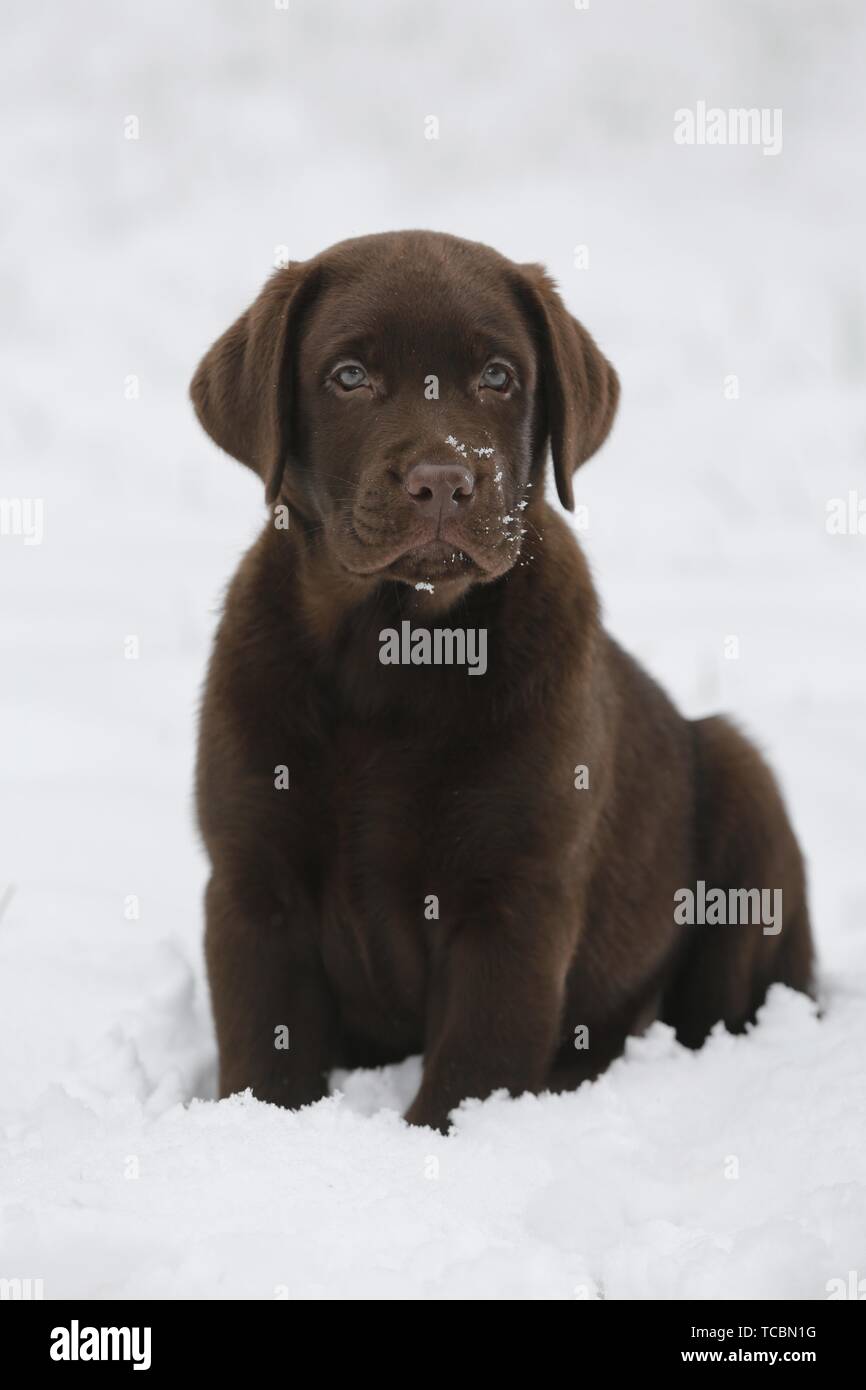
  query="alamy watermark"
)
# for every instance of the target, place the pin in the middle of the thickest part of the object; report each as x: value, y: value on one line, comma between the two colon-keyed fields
x: 24, y: 517
x: 77, y: 1343
x: 436, y: 646
x: 714, y: 125
x: 846, y: 516
x: 718, y: 907
x: 21, y: 1290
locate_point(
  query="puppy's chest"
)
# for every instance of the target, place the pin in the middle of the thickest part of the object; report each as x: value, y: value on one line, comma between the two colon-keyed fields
x: 383, y: 856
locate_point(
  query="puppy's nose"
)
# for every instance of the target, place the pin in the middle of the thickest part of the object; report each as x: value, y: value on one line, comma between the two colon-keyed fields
x: 437, y: 487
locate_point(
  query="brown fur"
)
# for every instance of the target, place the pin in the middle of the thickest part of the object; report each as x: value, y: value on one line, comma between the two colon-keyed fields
x: 556, y: 905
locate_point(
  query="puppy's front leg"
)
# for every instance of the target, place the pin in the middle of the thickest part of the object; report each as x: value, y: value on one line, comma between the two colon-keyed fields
x: 495, y: 1015
x: 275, y: 1018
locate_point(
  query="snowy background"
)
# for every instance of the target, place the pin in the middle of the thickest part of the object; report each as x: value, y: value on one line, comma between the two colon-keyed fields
x: 262, y: 128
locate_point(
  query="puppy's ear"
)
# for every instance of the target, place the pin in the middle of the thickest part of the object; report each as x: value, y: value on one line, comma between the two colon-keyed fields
x: 580, y: 386
x: 243, y: 388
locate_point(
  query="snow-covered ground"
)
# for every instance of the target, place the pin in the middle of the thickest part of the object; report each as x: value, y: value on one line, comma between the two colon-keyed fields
x: 738, y: 1171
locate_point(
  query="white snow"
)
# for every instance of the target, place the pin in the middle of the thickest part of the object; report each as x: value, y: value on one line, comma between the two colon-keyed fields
x: 735, y: 1172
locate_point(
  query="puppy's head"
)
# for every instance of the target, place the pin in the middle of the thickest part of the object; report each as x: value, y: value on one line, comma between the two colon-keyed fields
x: 399, y: 392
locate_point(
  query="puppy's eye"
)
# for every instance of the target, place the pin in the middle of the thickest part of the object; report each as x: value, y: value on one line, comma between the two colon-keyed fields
x: 496, y: 377
x: 351, y: 376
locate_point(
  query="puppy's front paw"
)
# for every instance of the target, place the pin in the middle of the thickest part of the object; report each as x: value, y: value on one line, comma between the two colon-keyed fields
x: 427, y: 1113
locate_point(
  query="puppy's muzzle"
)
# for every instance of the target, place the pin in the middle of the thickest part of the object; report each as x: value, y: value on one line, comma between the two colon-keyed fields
x: 440, y: 490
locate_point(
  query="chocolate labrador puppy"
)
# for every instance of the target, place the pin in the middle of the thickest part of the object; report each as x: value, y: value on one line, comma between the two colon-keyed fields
x: 445, y: 812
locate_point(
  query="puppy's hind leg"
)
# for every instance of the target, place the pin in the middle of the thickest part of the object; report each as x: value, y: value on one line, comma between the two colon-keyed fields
x: 744, y: 842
